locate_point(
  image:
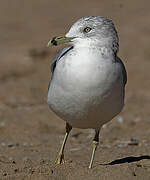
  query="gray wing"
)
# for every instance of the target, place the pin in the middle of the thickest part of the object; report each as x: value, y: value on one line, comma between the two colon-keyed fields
x: 58, y: 56
x: 124, y: 72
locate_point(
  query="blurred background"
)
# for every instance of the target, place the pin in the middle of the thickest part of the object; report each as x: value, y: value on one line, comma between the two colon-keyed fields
x: 30, y: 134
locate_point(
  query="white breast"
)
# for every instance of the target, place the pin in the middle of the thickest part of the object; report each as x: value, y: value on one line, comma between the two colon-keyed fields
x: 86, y: 89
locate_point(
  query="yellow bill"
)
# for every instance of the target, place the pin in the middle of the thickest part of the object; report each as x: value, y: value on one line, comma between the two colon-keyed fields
x: 59, y: 40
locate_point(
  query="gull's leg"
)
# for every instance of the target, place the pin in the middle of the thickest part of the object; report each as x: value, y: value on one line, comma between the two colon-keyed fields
x: 60, y: 157
x: 95, y: 144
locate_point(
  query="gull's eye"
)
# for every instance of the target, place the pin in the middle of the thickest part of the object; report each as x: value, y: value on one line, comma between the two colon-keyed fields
x: 87, y: 29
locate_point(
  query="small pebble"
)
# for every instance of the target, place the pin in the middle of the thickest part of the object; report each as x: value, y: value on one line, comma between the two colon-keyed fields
x: 4, y: 174
x: 10, y: 145
x: 120, y: 119
x: 133, y: 141
x: 52, y: 171
x: 13, y: 145
x: 16, y: 170
x: 138, y: 165
x: 2, y: 124
x: 3, y: 144
x: 75, y: 149
x: 25, y: 144
x: 133, y: 173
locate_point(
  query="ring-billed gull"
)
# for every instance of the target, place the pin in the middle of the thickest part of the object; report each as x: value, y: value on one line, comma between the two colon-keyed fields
x: 87, y: 86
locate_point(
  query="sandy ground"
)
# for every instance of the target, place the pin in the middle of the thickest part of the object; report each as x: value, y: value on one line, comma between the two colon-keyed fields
x: 30, y: 134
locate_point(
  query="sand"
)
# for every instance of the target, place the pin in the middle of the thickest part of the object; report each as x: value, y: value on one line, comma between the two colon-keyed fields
x: 31, y: 134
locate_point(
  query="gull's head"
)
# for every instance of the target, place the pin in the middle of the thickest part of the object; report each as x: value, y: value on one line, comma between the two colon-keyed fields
x: 90, y: 31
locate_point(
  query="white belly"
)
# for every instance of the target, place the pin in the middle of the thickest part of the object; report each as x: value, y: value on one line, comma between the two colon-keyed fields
x: 86, y: 93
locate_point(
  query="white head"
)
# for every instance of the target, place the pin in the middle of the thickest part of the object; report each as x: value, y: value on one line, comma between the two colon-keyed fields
x: 90, y: 31
x: 94, y: 30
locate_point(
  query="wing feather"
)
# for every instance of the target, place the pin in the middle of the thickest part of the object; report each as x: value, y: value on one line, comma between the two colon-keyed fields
x: 58, y: 57
x: 124, y: 72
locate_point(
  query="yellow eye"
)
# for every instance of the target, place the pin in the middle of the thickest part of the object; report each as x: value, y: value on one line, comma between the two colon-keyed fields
x: 87, y: 29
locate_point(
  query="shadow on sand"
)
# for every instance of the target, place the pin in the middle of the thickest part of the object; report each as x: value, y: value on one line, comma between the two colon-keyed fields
x: 129, y: 159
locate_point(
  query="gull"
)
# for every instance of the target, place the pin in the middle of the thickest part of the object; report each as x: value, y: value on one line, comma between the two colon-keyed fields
x: 87, y: 87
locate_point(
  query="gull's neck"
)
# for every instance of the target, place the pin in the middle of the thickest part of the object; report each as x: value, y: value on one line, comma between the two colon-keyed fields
x: 104, y: 46
x: 105, y: 51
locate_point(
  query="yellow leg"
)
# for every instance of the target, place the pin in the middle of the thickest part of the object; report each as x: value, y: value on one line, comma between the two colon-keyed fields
x: 95, y: 144
x: 60, y: 157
